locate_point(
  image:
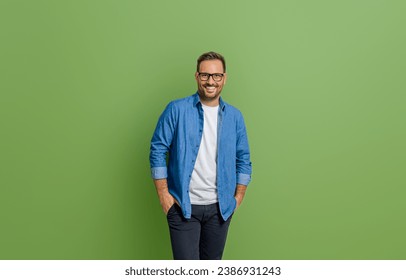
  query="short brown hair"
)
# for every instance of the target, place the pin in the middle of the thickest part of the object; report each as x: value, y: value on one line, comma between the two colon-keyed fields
x: 211, y: 56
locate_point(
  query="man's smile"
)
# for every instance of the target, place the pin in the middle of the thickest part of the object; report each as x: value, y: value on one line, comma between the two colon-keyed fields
x: 210, y: 88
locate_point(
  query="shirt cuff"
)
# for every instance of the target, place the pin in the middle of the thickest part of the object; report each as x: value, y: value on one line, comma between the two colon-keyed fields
x: 243, y: 179
x: 159, y: 172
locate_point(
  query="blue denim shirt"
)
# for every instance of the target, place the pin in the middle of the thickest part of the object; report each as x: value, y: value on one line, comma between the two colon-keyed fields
x: 179, y: 133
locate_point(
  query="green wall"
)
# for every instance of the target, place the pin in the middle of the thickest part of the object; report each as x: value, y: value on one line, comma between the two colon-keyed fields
x: 321, y: 85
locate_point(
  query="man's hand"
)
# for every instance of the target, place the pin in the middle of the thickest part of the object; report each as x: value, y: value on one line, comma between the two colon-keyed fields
x: 166, y: 201
x: 165, y: 198
x: 239, y: 194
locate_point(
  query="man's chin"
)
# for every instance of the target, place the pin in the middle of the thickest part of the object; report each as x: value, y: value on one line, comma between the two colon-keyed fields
x: 211, y: 95
x: 207, y: 96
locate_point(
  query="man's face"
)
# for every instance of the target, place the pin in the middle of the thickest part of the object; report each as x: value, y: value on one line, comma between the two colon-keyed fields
x: 209, y: 91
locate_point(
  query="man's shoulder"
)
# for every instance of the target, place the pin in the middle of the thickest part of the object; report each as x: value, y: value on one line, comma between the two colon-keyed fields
x: 232, y: 109
x: 182, y: 102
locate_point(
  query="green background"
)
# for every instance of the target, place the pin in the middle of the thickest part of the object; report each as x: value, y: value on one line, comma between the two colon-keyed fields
x: 321, y: 85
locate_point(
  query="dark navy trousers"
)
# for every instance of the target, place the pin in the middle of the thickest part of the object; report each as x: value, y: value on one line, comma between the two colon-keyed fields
x: 202, y: 237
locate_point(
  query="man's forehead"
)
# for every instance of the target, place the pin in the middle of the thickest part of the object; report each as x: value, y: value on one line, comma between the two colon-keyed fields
x: 213, y: 64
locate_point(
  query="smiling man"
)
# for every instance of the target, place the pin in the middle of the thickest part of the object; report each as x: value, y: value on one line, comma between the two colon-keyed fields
x: 200, y: 164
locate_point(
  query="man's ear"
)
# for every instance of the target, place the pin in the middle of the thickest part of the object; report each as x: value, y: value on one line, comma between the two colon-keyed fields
x: 225, y: 78
x: 197, y: 75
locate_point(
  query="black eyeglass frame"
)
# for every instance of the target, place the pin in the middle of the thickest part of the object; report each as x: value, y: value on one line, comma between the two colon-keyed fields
x: 211, y: 75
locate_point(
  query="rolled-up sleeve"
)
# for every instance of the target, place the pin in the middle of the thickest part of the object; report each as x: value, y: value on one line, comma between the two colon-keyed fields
x: 159, y: 172
x: 160, y: 143
x: 243, y: 162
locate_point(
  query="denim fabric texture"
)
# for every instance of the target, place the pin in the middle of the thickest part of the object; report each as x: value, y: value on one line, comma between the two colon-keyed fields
x: 175, y: 145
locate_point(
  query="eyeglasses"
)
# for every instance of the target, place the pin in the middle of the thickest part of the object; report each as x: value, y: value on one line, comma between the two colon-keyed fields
x: 217, y: 77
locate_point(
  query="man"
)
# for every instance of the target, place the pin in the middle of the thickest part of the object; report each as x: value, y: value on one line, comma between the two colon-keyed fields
x: 208, y: 167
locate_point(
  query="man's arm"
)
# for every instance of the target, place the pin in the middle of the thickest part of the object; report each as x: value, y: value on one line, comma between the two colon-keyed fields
x: 165, y: 198
x: 160, y: 143
x: 243, y: 163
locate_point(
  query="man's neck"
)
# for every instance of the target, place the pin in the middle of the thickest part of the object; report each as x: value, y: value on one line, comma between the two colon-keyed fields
x: 210, y: 102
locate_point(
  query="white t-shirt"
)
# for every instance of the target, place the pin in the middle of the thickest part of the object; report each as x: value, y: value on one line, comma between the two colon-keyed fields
x: 203, y: 184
